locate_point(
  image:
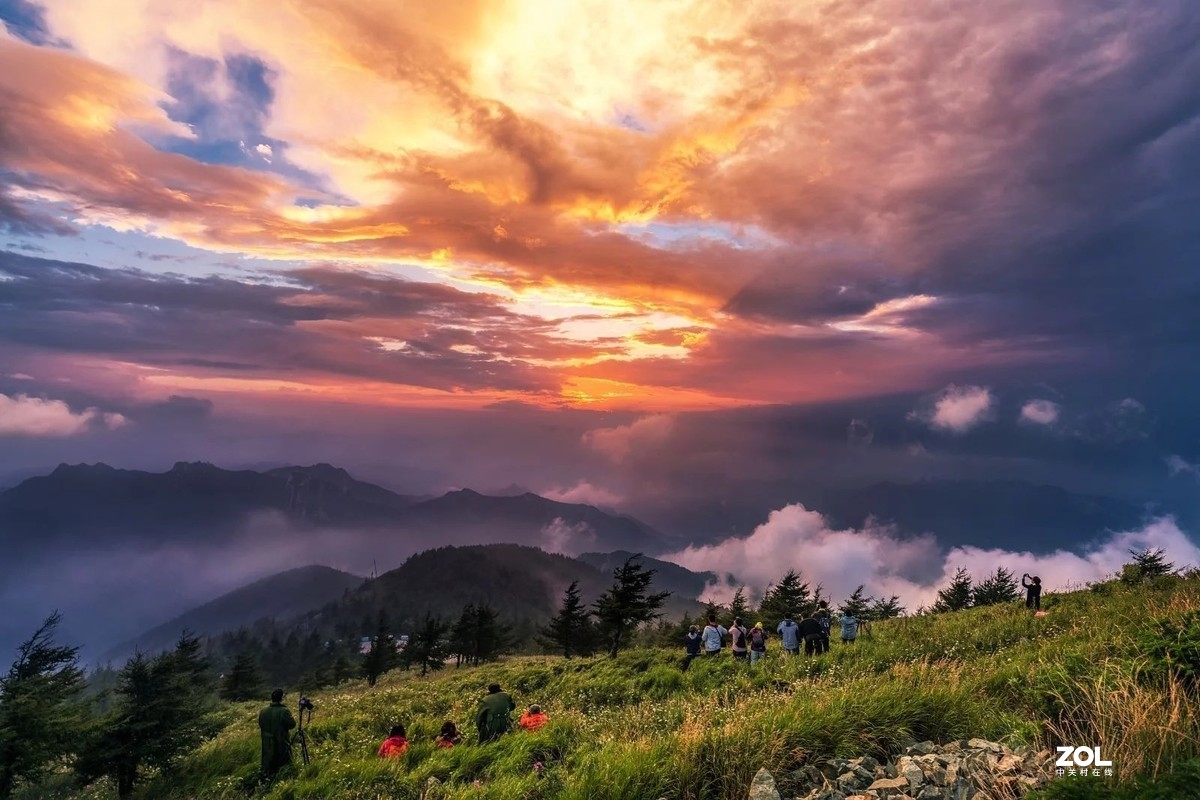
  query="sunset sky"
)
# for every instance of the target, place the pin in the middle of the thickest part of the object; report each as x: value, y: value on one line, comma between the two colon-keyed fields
x: 537, y: 242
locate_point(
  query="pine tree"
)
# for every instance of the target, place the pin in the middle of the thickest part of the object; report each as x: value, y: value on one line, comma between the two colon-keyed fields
x: 999, y: 587
x: 160, y: 714
x: 856, y: 605
x: 738, y: 607
x: 571, y: 631
x: 957, y: 595
x: 39, y: 713
x: 627, y: 604
x: 492, y: 637
x: 382, y: 655
x: 462, y: 636
x: 1146, y: 564
x: 243, y: 681
x: 428, y: 646
x: 788, y: 598
x: 342, y: 669
x: 886, y: 609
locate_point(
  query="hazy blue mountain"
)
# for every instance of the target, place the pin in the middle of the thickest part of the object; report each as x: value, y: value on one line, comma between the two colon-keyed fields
x: 282, y: 596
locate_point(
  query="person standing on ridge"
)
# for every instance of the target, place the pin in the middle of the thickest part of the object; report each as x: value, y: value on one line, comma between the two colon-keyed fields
x: 692, y: 642
x: 713, y: 636
x: 825, y: 622
x: 758, y: 643
x: 849, y: 628
x: 810, y: 629
x: 274, y: 723
x: 789, y: 635
x: 737, y: 635
x: 1033, y: 591
x: 493, y: 719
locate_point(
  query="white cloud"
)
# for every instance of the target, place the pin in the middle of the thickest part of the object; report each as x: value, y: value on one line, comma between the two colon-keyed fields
x: 22, y: 415
x: 1040, y: 412
x: 584, y: 492
x: 957, y: 409
x: 569, y: 540
x: 617, y: 443
x: 20, y: 376
x: 913, y: 568
x: 1177, y: 464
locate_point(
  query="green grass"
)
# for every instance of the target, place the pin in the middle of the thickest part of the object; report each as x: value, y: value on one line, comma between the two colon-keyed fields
x: 637, y: 727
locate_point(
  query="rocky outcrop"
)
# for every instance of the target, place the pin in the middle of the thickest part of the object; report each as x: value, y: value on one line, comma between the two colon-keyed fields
x: 974, y: 769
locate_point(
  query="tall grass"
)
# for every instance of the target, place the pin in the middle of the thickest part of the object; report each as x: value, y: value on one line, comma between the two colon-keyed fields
x: 639, y: 727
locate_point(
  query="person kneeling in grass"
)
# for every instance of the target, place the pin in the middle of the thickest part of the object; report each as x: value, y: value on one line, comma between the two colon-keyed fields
x: 533, y: 719
x: 449, y: 736
x: 395, y: 745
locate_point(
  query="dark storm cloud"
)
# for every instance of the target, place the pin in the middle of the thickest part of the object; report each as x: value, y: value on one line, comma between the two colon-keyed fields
x: 314, y: 322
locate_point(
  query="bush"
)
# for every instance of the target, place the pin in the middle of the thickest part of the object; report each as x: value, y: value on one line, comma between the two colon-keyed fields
x: 1172, y: 647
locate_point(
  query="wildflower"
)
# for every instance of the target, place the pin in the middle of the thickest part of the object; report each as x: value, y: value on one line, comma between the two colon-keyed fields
x: 537, y: 766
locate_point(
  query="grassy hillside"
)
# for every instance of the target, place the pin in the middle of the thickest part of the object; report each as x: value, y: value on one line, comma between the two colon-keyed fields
x: 638, y: 727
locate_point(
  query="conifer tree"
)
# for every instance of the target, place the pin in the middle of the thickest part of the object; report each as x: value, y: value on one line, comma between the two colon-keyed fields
x: 1146, y: 564
x: 463, y: 635
x: 571, y: 630
x: 856, y: 605
x: 957, y: 595
x: 244, y: 680
x: 39, y: 712
x: 999, y: 587
x: 788, y: 598
x: 885, y: 609
x: 159, y: 715
x: 738, y: 607
x: 382, y: 655
x: 428, y: 646
x: 628, y: 603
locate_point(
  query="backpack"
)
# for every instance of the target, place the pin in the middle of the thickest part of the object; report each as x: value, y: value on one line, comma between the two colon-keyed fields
x: 738, y: 637
x: 757, y: 637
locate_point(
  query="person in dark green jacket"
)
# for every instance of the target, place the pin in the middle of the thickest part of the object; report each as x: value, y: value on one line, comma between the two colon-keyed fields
x: 274, y: 722
x: 493, y: 719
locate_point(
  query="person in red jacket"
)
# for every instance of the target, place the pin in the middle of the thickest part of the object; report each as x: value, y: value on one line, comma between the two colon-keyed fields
x: 533, y: 719
x: 449, y: 736
x: 395, y: 745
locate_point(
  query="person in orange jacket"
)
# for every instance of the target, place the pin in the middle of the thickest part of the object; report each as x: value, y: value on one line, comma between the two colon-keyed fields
x: 533, y: 719
x: 395, y: 745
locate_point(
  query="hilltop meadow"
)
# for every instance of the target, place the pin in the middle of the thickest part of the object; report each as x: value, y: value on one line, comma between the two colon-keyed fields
x: 1112, y: 666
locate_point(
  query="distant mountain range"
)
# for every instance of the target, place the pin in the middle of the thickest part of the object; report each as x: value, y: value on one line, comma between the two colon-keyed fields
x: 287, y: 594
x: 109, y: 504
x: 118, y: 550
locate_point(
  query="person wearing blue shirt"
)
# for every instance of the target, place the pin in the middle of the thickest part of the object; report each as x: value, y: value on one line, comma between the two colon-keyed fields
x: 714, y: 636
x: 789, y: 636
x: 849, y: 628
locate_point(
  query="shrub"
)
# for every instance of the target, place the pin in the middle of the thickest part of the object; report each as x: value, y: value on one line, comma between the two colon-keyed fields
x: 1173, y: 647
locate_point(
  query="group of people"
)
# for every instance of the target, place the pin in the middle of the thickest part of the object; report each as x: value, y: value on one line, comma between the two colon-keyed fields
x: 751, y: 644
x: 492, y: 720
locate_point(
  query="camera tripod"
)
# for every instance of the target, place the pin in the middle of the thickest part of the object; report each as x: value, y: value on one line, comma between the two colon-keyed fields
x: 301, y: 737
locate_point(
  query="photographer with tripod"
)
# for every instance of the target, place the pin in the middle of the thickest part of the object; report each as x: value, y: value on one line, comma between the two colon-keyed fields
x: 274, y: 723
